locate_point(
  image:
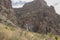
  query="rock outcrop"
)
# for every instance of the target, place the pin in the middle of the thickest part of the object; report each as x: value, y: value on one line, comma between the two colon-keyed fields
x: 7, y: 12
x: 37, y: 16
x: 6, y: 3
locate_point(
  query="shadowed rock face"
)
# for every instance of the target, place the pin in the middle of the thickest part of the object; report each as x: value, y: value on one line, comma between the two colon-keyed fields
x: 39, y: 17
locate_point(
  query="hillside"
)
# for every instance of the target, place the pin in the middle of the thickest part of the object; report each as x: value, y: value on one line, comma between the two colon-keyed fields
x: 34, y: 21
x: 15, y: 33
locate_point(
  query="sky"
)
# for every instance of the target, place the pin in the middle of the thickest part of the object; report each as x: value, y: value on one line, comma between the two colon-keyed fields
x: 21, y: 0
x: 55, y: 3
x: 20, y: 3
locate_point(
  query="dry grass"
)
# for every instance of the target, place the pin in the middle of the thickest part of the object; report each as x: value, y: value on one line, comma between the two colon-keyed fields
x: 13, y: 33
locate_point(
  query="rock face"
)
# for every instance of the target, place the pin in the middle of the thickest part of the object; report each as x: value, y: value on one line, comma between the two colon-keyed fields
x: 6, y: 3
x: 37, y: 16
x: 7, y: 12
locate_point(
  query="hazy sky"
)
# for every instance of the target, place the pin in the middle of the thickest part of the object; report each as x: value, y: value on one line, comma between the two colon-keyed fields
x: 21, y: 0
x: 19, y: 5
x: 55, y: 3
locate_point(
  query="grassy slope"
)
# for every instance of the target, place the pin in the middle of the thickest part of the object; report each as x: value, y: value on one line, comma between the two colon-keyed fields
x: 13, y: 33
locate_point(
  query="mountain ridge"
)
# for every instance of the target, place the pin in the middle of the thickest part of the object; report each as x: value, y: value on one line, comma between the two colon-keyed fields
x: 39, y: 17
x: 36, y: 16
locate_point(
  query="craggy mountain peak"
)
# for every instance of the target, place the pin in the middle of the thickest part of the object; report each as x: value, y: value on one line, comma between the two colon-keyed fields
x: 40, y: 1
x: 36, y: 4
x: 36, y: 16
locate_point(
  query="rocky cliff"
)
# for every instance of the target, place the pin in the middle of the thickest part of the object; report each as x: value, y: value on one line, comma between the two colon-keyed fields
x: 6, y: 3
x: 6, y: 12
x: 37, y: 16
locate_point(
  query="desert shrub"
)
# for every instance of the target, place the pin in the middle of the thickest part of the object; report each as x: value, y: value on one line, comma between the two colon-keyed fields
x: 6, y: 27
x: 1, y: 36
x: 50, y: 34
x: 0, y: 20
x: 12, y: 28
x: 13, y: 38
x: 56, y: 38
